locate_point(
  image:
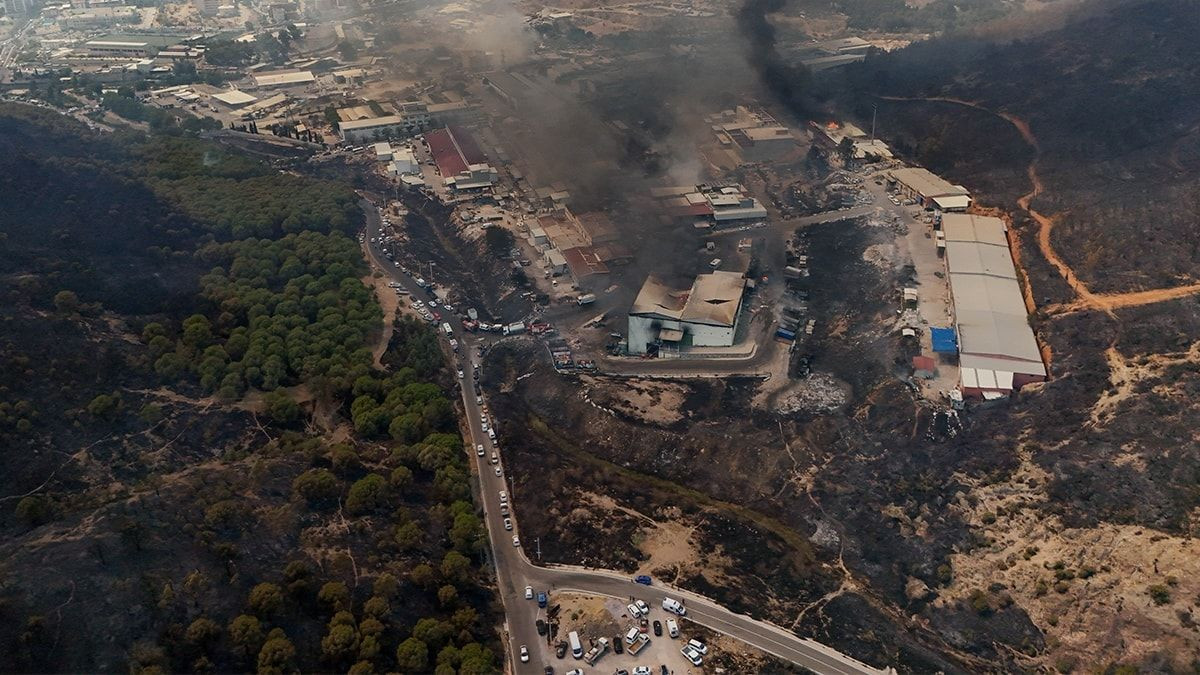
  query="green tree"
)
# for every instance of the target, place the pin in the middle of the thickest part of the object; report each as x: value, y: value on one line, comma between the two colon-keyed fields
x: 423, y: 575
x: 412, y: 656
x: 432, y: 632
x: 266, y: 600
x: 282, y: 408
x: 66, y: 302
x: 202, y: 632
x: 408, y: 537
x: 105, y: 406
x: 334, y: 595
x: 376, y: 607
x: 447, y: 596
x: 400, y: 478
x: 277, y: 655
x: 385, y: 586
x: 317, y: 485
x: 455, y: 567
x: 367, y: 494
x: 34, y: 510
x: 340, y: 643
x: 475, y: 659
x: 246, y: 635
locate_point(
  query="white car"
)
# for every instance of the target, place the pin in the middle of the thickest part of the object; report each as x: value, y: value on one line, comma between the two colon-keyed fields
x: 529, y: 592
x: 478, y: 400
x: 460, y: 373
x: 634, y: 611
x: 641, y: 670
x: 642, y: 607
x: 479, y: 449
x: 691, y: 655
x: 495, y: 457
x: 516, y: 541
x: 698, y: 646
x: 524, y: 654
x: 508, y: 526
x: 577, y: 671
x: 503, y: 497
x: 491, y: 433
x: 499, y: 472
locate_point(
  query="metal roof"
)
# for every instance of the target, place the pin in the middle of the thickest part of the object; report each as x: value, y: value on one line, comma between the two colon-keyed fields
x: 715, y: 298
x: 970, y: 227
x: 926, y: 183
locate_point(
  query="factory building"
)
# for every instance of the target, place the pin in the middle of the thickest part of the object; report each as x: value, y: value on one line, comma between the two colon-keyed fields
x: 459, y: 159
x: 929, y: 189
x: 285, y: 78
x: 719, y: 204
x: 704, y: 316
x: 753, y: 135
x: 998, y: 353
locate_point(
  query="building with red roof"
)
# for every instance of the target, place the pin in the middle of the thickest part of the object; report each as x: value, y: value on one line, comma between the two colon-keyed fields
x: 459, y: 159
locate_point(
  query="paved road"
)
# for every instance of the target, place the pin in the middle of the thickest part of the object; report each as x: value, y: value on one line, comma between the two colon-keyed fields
x: 514, y: 571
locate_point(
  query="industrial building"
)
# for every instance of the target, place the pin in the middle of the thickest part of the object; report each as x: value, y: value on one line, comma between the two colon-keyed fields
x: 998, y: 352
x: 284, y: 78
x: 709, y: 204
x: 459, y: 159
x: 235, y: 98
x: 929, y: 189
x: 704, y: 316
x: 753, y: 135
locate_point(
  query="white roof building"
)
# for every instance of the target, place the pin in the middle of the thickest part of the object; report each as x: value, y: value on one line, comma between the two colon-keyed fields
x: 989, y: 307
x: 283, y: 78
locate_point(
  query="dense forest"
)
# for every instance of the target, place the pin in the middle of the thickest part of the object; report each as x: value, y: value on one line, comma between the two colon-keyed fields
x: 202, y: 468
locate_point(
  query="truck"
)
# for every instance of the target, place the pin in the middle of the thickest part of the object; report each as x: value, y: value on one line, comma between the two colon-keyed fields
x: 586, y: 299
x: 576, y: 645
x: 594, y: 654
x: 447, y: 329
x: 639, y: 644
x: 514, y: 328
x: 472, y: 314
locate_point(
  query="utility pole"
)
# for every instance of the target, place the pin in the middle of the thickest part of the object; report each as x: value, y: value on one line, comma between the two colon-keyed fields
x: 874, y: 111
x: 538, y: 542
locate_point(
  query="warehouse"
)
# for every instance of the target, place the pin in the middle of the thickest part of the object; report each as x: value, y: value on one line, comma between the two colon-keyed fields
x: 998, y: 352
x: 371, y: 129
x: 282, y: 79
x: 235, y: 98
x: 927, y: 187
x: 704, y: 316
x: 459, y: 159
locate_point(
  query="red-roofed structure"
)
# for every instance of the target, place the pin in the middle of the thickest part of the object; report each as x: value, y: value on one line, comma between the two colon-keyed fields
x: 453, y: 150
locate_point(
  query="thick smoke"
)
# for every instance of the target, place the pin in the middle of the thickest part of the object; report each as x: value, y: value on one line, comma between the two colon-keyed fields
x: 789, y: 84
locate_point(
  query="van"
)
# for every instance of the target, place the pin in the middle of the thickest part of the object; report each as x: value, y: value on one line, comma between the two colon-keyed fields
x: 672, y: 628
x: 576, y: 645
x: 632, y: 635
x: 674, y: 606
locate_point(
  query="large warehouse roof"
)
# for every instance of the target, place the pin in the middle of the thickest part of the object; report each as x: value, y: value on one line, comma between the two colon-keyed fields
x: 283, y: 79
x: 926, y: 183
x: 989, y: 309
x: 453, y: 150
x: 234, y: 97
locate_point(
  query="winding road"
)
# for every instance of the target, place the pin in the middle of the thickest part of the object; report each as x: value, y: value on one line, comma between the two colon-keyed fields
x: 514, y: 570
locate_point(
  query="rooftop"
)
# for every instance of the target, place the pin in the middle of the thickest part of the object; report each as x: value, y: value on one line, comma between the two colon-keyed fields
x: 714, y: 299
x: 454, y: 150
x: 926, y: 182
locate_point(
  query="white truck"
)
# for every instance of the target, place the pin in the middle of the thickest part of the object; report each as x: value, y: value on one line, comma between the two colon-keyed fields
x: 447, y: 329
x: 586, y: 299
x: 596, y: 652
x: 576, y: 645
x: 514, y: 328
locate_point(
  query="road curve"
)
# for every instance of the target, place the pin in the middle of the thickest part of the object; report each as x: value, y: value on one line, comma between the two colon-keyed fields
x: 514, y: 571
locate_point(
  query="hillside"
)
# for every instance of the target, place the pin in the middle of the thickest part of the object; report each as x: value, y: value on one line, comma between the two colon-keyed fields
x: 1080, y: 495
x: 185, y: 485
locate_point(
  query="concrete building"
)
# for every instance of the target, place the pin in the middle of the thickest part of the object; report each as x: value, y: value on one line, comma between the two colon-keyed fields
x: 98, y: 17
x: 404, y: 161
x: 120, y: 48
x: 753, y: 134
x: 383, y: 151
x: 928, y: 188
x: 998, y: 352
x: 704, y: 316
x: 555, y: 261
x: 372, y: 128
x: 719, y: 204
x: 15, y: 8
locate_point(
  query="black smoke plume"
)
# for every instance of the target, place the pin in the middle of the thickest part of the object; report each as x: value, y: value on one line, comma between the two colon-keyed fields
x: 789, y: 84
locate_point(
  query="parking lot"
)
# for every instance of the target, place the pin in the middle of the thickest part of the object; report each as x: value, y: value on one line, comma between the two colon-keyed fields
x: 596, y: 617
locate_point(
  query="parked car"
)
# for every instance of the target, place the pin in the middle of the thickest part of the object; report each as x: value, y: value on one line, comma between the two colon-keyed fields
x: 672, y: 628
x: 618, y: 646
x: 691, y: 655
x: 516, y: 541
x: 479, y: 449
x: 657, y: 628
x: 697, y: 645
x: 542, y: 599
x: 524, y: 654
x: 641, y: 670
x: 508, y: 526
x: 642, y: 607
x: 633, y: 611
x: 642, y: 579
x: 529, y: 592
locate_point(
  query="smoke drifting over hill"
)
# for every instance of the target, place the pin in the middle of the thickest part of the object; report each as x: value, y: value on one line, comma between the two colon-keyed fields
x: 788, y: 83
